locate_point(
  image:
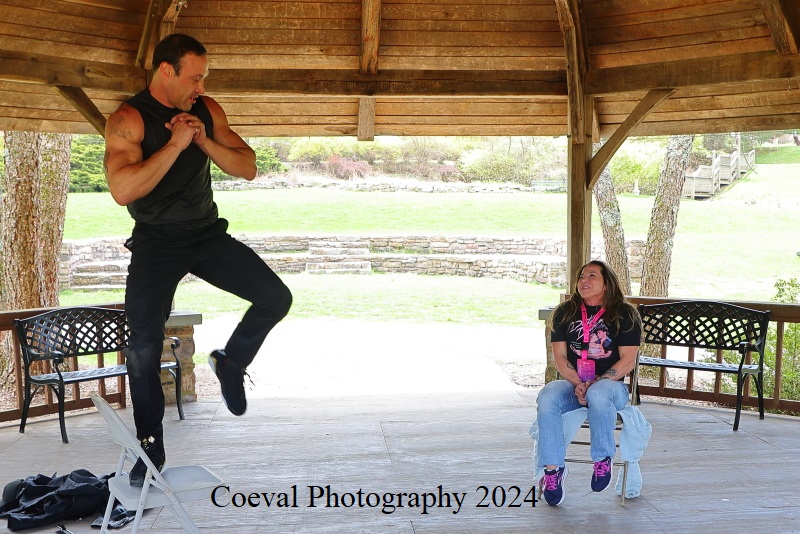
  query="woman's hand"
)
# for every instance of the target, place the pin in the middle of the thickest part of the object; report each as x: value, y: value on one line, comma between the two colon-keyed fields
x: 580, y: 391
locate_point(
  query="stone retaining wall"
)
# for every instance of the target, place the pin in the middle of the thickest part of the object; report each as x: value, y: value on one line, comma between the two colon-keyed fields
x: 541, y: 259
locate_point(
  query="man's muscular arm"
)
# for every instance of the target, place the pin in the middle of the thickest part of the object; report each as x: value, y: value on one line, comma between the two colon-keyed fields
x: 227, y: 150
x: 130, y: 177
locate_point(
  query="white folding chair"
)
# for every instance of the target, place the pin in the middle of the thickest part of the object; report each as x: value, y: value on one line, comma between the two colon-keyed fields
x: 170, y: 488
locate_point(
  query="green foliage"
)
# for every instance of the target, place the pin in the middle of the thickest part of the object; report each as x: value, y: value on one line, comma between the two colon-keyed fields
x: 316, y: 150
x: 86, y: 173
x: 637, y: 162
x: 267, y: 160
x: 523, y: 160
x: 490, y: 166
x: 788, y: 291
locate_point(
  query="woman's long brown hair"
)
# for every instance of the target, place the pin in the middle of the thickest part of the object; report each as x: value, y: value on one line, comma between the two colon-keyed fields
x: 614, y: 301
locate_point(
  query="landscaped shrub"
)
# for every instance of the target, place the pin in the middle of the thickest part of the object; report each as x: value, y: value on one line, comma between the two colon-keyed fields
x: 347, y: 169
x: 314, y: 150
x: 267, y: 160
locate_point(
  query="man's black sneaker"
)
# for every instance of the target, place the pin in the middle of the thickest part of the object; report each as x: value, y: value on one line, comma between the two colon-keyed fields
x: 231, y: 381
x: 154, y: 448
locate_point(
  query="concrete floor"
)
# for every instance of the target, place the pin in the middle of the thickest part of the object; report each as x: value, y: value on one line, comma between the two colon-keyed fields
x: 457, y: 426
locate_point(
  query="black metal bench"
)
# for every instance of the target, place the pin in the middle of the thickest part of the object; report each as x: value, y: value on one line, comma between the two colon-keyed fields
x: 53, y: 336
x: 712, y: 326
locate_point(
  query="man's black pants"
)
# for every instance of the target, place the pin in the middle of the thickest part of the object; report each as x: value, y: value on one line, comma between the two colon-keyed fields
x: 160, y: 257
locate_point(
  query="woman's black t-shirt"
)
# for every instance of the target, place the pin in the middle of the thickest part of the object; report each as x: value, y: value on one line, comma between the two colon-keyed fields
x: 604, y: 338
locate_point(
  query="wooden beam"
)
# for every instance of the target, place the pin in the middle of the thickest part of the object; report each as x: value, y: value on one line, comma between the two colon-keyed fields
x: 160, y: 22
x: 783, y: 19
x: 571, y: 28
x: 750, y: 67
x: 169, y: 19
x: 387, y: 83
x: 650, y: 102
x: 370, y: 35
x: 579, y: 210
x: 147, y: 41
x: 85, y: 106
x: 56, y: 71
x: 366, y: 119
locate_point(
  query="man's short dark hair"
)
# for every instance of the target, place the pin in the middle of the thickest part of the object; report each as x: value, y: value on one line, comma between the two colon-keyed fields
x: 173, y: 47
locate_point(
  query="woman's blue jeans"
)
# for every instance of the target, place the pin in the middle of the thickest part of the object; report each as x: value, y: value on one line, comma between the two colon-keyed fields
x: 604, y: 399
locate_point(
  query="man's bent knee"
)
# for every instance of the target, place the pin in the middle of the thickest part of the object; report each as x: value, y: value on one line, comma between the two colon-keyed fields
x: 142, y: 361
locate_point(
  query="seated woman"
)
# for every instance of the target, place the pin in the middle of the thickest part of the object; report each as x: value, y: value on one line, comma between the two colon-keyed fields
x: 597, y: 304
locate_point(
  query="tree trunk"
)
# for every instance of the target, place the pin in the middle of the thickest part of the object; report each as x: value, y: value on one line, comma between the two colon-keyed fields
x: 32, y: 209
x: 664, y: 218
x: 613, y: 232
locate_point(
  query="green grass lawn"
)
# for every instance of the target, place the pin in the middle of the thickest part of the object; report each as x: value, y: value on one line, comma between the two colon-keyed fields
x: 381, y: 297
x: 734, y: 246
x: 780, y: 154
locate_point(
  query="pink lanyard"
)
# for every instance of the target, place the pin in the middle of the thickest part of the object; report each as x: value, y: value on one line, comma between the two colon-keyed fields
x: 587, y: 326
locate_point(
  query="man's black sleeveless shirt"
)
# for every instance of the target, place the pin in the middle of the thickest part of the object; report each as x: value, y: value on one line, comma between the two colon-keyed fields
x: 184, y: 195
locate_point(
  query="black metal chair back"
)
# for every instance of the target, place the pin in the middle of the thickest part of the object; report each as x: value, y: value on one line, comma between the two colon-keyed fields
x: 704, y: 324
x: 72, y: 332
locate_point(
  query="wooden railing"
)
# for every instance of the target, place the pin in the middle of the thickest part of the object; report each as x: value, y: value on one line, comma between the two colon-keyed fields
x: 780, y: 315
x: 50, y: 405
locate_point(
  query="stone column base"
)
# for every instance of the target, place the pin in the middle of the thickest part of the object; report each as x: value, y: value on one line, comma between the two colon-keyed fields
x: 181, y: 325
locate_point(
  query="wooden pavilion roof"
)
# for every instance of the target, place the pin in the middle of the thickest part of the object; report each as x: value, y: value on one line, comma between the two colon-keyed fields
x: 417, y: 67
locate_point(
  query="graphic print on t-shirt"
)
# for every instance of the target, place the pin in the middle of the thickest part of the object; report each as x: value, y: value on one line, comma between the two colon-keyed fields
x: 599, y: 340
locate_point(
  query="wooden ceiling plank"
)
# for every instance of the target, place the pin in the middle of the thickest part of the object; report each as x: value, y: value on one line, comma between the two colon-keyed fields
x: 755, y: 66
x: 366, y: 119
x: 85, y: 106
x: 436, y: 12
x: 784, y: 24
x: 370, y: 35
x: 716, y: 24
x: 651, y: 101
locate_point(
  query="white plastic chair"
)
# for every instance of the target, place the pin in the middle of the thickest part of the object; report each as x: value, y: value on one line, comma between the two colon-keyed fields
x: 170, y: 488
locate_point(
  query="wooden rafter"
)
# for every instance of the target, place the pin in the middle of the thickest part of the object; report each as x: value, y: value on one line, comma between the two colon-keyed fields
x: 575, y: 50
x: 170, y: 17
x: 368, y: 64
x: 650, y: 102
x: 146, y: 43
x: 370, y: 35
x: 752, y: 67
x: 85, y: 106
x: 783, y: 19
x: 56, y: 71
x: 160, y: 22
x: 338, y: 82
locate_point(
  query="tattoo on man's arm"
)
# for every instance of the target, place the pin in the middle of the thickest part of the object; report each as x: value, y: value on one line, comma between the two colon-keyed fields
x: 611, y: 373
